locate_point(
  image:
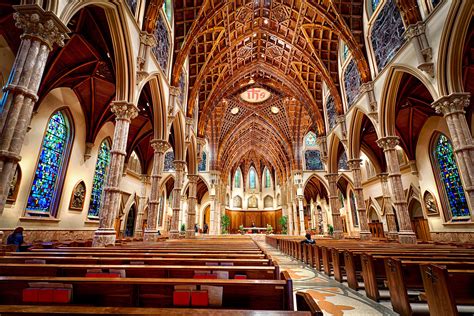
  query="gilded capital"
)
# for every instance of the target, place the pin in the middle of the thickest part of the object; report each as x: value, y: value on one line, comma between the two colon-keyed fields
x: 453, y: 103
x: 160, y: 145
x: 42, y: 25
x: 124, y: 110
x: 389, y: 142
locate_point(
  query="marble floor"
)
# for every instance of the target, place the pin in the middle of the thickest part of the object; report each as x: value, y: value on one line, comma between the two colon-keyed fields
x: 332, y: 297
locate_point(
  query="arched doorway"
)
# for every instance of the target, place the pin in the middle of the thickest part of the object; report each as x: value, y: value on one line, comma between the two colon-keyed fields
x: 130, y: 223
x: 206, y: 218
x: 418, y: 222
x: 375, y: 226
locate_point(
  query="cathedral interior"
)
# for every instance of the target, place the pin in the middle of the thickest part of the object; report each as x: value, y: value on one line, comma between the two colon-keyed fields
x: 136, y: 120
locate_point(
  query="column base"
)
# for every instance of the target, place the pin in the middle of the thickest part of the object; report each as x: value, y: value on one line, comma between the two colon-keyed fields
x: 104, y: 237
x: 150, y: 235
x: 338, y: 235
x: 174, y: 234
x: 407, y: 237
x: 365, y: 235
x: 190, y: 233
x: 392, y: 235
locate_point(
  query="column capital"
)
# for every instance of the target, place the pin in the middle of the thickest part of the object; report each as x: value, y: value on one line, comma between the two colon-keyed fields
x: 124, y: 110
x: 383, y: 176
x: 367, y: 86
x: 160, y: 145
x: 331, y: 177
x: 415, y: 30
x: 388, y: 142
x: 148, y: 39
x: 42, y: 25
x: 179, y: 165
x: 354, y: 164
x: 193, y: 178
x: 453, y: 103
x: 174, y: 91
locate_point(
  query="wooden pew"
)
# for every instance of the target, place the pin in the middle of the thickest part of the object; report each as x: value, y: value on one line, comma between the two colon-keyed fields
x: 158, y: 292
x: 159, y: 255
x: 137, y: 271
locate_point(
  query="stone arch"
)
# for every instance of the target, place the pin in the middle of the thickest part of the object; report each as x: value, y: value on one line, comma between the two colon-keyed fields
x: 333, y: 154
x: 387, y: 115
x: 191, y: 156
x: 179, y: 137
x: 160, y: 117
x: 121, y: 40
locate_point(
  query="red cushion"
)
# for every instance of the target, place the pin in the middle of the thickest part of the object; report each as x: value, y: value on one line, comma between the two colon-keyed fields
x: 45, y: 295
x: 181, y: 298
x: 62, y: 295
x: 199, y: 298
x: 30, y: 295
x: 205, y: 276
x: 240, y: 277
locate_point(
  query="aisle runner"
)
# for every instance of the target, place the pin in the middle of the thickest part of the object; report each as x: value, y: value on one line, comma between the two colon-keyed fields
x: 332, y: 297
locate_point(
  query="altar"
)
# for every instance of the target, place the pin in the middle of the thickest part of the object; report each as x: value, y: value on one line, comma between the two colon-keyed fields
x: 258, y: 218
x: 255, y: 230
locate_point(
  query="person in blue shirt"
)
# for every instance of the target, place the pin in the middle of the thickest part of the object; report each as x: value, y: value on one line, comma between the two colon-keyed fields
x: 308, y: 239
x: 16, y: 238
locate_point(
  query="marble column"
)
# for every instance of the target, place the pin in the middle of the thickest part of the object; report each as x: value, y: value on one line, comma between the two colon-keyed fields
x: 212, y: 215
x: 387, y: 202
x: 41, y: 31
x: 159, y: 149
x: 141, y: 207
x: 124, y: 113
x: 453, y: 108
x: 190, y: 232
x: 290, y: 219
x: 301, y: 214
x: 334, y: 205
x: 354, y: 164
x: 296, y: 220
x: 179, y: 176
x: 406, y: 234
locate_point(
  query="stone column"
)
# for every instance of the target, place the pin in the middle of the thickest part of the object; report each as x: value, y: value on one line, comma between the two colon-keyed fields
x: 301, y: 214
x: 179, y: 175
x: 212, y: 215
x: 192, y: 178
x: 406, y: 234
x: 452, y: 107
x: 334, y: 205
x: 182, y: 215
x: 296, y: 220
x: 124, y: 113
x: 290, y: 219
x: 354, y: 164
x: 41, y: 31
x: 387, y: 202
x: 159, y: 147
x: 141, y: 208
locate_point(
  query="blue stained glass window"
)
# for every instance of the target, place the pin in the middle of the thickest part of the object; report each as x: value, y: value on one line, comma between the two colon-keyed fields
x: 342, y: 163
x: 162, y: 48
x: 352, y: 82
x: 268, y: 181
x: 49, y: 168
x: 203, y: 162
x: 100, y: 175
x: 252, y: 179
x: 449, y: 176
x: 374, y: 4
x: 331, y: 112
x: 238, y: 176
x: 132, y: 4
x: 355, y: 216
x: 313, y: 160
x: 169, y: 159
x: 168, y: 6
x: 434, y: 3
x: 387, y: 34
x: 310, y: 139
x: 345, y: 51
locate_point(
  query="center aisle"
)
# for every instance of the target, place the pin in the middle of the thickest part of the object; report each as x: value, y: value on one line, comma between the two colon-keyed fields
x: 332, y: 297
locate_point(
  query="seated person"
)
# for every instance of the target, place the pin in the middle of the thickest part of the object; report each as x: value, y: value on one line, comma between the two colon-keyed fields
x: 308, y: 239
x: 16, y: 238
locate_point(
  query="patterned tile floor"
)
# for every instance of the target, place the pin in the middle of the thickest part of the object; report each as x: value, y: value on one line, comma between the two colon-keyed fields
x: 332, y: 297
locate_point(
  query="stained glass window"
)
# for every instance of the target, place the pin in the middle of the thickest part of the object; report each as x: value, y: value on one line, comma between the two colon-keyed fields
x: 169, y: 159
x: 434, y: 3
x: 352, y: 82
x: 313, y: 160
x: 132, y: 4
x: 238, y: 176
x: 310, y: 139
x: 100, y: 175
x: 355, y: 216
x: 168, y: 6
x: 182, y: 86
x: 342, y: 163
x: 203, y: 162
x: 387, y: 34
x: 373, y: 5
x: 56, y: 141
x: 450, y: 179
x: 162, y: 48
x: 345, y: 51
x: 252, y: 179
x: 331, y: 112
x: 268, y: 181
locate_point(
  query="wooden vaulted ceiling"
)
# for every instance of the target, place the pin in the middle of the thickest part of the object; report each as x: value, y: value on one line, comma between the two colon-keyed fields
x: 288, y: 47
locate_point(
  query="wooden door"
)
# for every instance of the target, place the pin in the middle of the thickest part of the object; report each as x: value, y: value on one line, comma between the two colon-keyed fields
x: 421, y: 228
